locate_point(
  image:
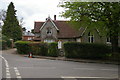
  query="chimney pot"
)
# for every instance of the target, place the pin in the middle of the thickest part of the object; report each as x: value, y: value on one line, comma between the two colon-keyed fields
x: 55, y: 17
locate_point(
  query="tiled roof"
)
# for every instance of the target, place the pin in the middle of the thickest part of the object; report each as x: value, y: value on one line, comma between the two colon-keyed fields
x: 37, y: 26
x: 65, y: 29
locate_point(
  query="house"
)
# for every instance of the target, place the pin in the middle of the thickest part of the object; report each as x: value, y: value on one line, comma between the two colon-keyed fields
x: 27, y: 36
x: 54, y: 30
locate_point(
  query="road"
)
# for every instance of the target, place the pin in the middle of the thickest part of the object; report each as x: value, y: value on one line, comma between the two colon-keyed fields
x: 16, y: 66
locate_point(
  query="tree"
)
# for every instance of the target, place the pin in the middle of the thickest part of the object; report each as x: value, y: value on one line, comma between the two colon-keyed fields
x: 11, y: 27
x: 103, y: 15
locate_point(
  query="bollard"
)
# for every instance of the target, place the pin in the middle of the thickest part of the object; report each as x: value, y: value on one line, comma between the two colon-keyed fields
x: 30, y: 55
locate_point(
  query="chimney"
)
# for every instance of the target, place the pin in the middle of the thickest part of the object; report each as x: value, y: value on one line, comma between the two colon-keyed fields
x: 55, y: 17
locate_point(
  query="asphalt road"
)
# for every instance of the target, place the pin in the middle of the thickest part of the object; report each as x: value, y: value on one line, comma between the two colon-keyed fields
x: 16, y: 66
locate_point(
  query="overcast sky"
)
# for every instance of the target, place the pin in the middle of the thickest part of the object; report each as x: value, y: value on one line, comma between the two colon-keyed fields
x: 34, y: 10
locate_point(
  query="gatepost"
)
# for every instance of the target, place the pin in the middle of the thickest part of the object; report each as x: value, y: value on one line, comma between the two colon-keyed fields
x: 60, y: 48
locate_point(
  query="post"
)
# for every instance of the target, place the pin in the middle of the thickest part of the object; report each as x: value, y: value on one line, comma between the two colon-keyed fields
x: 60, y: 47
x: 11, y: 43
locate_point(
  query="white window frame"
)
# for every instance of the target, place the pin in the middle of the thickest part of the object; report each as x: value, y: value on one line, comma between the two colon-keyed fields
x: 108, y: 41
x: 48, y: 40
x: 90, y: 36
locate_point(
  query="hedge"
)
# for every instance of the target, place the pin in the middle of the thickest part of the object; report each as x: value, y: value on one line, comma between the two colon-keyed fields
x: 37, y: 48
x: 23, y: 47
x: 5, y: 43
x: 86, y: 51
x: 52, y: 49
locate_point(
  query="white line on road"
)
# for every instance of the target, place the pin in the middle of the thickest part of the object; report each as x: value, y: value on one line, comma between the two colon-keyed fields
x: 84, y: 68
x: 95, y: 69
x: 7, y: 68
x: 17, y: 72
x: 87, y: 77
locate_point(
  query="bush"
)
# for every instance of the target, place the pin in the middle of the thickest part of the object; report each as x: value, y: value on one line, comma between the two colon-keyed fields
x: 114, y: 57
x: 23, y: 47
x: 52, y: 49
x: 86, y: 51
x: 5, y: 43
x: 37, y: 48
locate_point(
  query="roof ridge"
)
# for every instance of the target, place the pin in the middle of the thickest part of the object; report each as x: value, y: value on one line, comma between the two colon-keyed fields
x: 39, y: 21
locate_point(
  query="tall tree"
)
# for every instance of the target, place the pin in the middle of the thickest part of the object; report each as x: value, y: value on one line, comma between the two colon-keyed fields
x: 11, y: 27
x: 103, y: 15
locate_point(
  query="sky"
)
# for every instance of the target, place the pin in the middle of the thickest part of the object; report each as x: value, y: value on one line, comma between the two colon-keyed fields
x: 34, y: 10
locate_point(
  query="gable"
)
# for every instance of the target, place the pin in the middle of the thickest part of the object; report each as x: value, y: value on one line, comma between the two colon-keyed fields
x: 63, y: 28
x: 48, y: 21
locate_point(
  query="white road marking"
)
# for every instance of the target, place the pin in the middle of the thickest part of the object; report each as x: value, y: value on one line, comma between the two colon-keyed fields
x: 87, y: 77
x: 85, y: 68
x: 40, y: 67
x: 7, y: 68
x: 19, y: 77
x: 95, y: 69
x: 109, y: 69
x: 17, y: 72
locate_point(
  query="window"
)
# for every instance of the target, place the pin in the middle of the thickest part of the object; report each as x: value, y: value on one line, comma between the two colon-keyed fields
x: 108, y: 40
x: 29, y: 38
x: 48, y: 40
x: 49, y: 31
x: 90, y: 37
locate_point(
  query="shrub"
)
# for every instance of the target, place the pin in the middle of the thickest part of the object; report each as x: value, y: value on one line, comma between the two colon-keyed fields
x: 114, y: 57
x: 36, y: 48
x: 23, y: 47
x: 52, y: 49
x: 5, y: 43
x: 39, y: 48
x: 87, y: 51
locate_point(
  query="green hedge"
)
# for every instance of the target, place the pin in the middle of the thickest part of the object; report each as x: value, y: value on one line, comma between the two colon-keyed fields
x: 52, y: 49
x: 23, y: 47
x: 37, y: 48
x: 86, y: 51
x: 5, y: 43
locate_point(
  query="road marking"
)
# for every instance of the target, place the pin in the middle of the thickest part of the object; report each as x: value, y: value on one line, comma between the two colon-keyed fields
x: 88, y: 77
x: 17, y: 73
x: 7, y: 68
x: 85, y: 68
x: 95, y: 69
x: 109, y: 69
